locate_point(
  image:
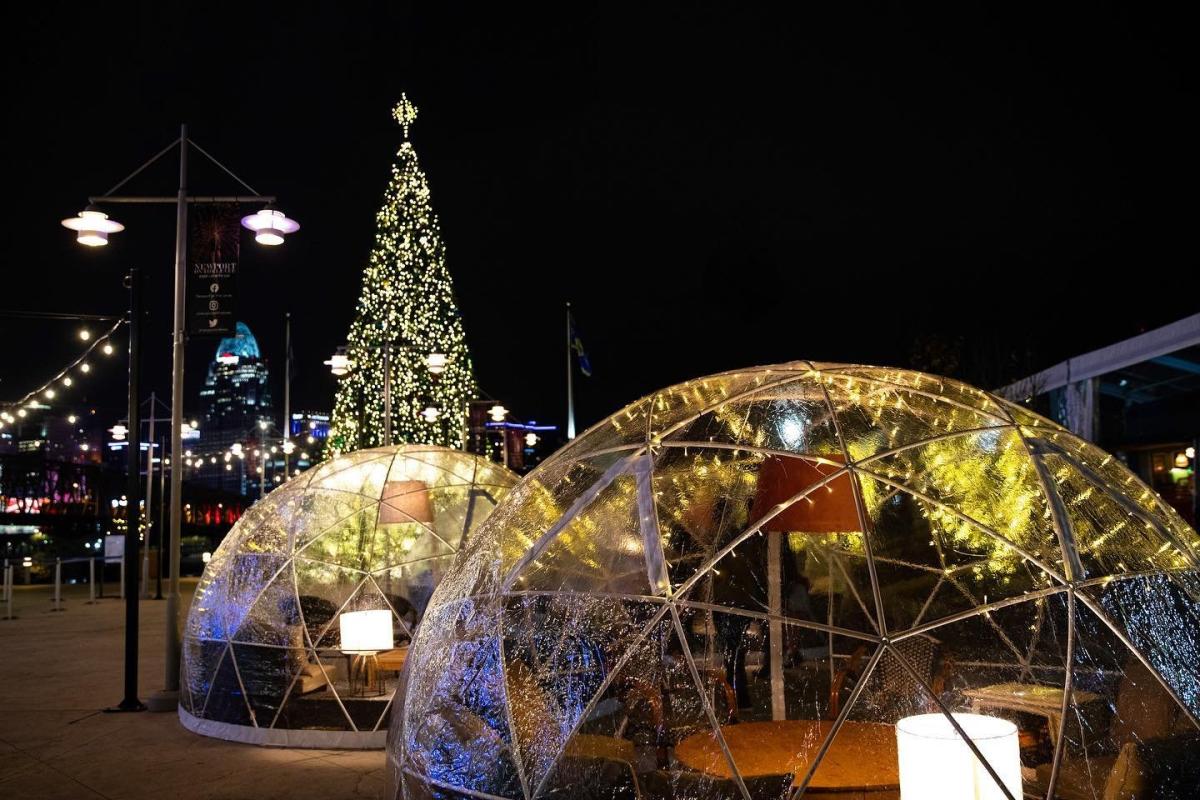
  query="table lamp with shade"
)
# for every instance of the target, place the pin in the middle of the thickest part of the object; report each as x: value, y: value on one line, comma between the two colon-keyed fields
x: 364, y: 635
x: 366, y: 632
x: 937, y: 764
x: 830, y: 508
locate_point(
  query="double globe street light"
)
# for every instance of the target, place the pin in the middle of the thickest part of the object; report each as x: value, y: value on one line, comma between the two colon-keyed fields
x: 92, y: 228
x: 341, y: 364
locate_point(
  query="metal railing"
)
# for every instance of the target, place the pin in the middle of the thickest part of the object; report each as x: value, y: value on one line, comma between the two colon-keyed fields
x: 8, y: 575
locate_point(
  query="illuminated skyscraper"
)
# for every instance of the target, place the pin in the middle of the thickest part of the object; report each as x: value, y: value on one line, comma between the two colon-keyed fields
x: 237, y: 401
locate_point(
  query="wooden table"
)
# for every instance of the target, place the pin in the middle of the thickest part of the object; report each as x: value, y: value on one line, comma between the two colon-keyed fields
x: 588, y: 744
x: 1028, y: 698
x: 860, y: 762
x: 392, y: 660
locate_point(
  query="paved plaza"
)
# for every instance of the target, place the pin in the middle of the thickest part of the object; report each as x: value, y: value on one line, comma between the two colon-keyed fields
x: 59, y: 670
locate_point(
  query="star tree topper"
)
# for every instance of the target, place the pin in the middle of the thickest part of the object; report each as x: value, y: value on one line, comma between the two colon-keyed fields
x: 405, y: 113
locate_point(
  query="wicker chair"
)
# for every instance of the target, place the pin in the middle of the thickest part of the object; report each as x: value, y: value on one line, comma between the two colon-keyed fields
x: 891, y: 690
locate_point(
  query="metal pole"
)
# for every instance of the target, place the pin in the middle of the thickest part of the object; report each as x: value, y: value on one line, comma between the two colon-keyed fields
x: 570, y: 384
x: 57, y: 584
x: 287, y: 389
x: 8, y: 587
x: 1196, y: 483
x: 170, y: 694
x: 775, y: 626
x: 129, y: 560
x: 162, y: 515
x: 387, y: 394
x: 91, y: 580
x: 149, y: 500
x: 262, y: 464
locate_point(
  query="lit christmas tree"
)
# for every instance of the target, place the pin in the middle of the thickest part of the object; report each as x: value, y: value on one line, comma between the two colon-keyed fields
x: 406, y: 313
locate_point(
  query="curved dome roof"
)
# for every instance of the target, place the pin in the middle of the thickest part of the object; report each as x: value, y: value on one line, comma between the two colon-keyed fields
x: 242, y: 344
x: 817, y: 549
x: 372, y: 530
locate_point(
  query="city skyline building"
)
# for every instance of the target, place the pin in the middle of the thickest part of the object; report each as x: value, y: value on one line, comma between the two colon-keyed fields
x: 234, y: 441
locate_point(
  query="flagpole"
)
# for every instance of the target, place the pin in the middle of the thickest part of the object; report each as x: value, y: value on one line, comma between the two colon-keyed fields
x: 570, y: 384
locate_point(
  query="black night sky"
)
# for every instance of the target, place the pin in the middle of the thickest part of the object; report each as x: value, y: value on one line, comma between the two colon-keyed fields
x: 981, y: 192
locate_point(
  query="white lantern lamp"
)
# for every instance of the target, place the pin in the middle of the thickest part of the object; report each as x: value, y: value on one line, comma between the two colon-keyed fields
x: 498, y: 413
x: 270, y: 226
x: 937, y: 764
x: 92, y: 227
x: 436, y: 362
x: 339, y: 363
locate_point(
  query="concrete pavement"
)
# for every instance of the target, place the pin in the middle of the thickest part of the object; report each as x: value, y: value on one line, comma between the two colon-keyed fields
x: 59, y: 670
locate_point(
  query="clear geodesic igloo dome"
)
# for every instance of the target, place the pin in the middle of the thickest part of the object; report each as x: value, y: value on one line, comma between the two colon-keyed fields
x: 299, y: 626
x: 813, y: 580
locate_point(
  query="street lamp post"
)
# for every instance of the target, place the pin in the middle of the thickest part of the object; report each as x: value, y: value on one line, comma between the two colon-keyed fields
x: 262, y: 459
x: 387, y: 393
x: 339, y: 364
x: 498, y: 413
x: 149, y: 496
x: 133, y: 518
x: 93, y: 227
x: 163, y: 464
x: 287, y: 391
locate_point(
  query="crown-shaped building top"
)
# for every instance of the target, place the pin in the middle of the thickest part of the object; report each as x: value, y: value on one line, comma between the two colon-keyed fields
x: 405, y: 113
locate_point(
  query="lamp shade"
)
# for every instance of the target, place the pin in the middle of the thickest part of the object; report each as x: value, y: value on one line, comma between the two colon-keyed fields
x: 436, y: 362
x: 92, y: 227
x: 270, y: 226
x: 339, y: 363
x: 405, y: 501
x: 828, y: 509
x: 936, y: 764
x: 366, y: 631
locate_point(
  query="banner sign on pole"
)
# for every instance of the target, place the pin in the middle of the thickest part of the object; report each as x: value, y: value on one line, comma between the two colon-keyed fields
x: 212, y: 277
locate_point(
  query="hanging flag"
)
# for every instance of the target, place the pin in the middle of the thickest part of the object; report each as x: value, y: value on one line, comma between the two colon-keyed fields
x: 214, y: 248
x: 585, y: 366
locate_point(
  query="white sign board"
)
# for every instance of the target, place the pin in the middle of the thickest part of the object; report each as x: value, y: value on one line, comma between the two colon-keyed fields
x: 114, y: 548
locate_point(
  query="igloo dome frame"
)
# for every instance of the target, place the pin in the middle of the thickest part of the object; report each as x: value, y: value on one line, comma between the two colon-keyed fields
x: 1034, y: 551
x: 368, y: 530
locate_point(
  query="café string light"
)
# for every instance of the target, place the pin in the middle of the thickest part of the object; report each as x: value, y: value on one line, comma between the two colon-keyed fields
x: 63, y: 377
